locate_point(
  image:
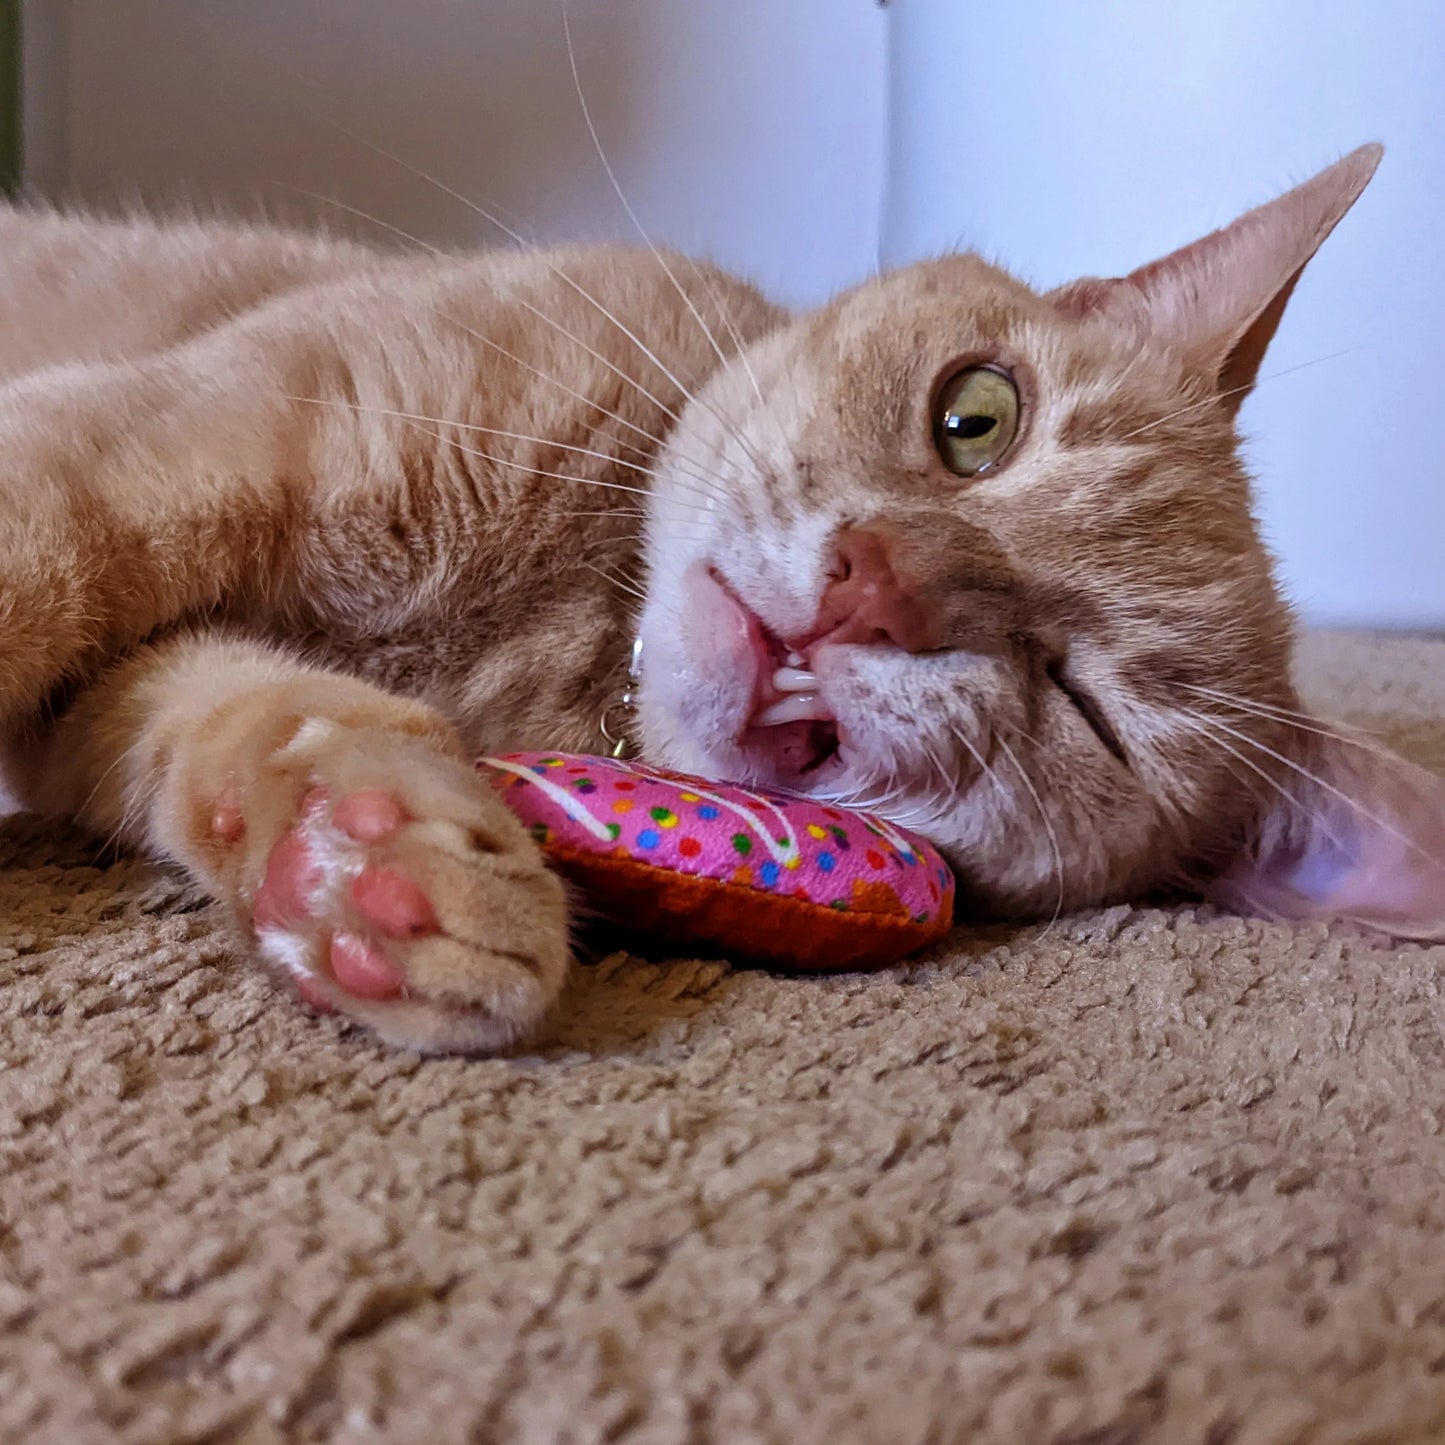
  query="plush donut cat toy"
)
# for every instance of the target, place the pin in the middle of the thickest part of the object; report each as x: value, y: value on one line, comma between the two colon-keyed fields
x: 779, y: 879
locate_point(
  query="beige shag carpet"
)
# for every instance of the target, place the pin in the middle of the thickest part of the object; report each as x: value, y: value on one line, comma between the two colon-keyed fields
x: 1156, y: 1176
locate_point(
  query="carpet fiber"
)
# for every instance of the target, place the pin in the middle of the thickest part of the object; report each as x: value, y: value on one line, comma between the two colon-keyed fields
x: 1151, y: 1176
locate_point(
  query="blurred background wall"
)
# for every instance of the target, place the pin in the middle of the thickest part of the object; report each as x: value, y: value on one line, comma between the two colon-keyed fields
x: 799, y: 140
x: 753, y: 130
x: 1070, y: 139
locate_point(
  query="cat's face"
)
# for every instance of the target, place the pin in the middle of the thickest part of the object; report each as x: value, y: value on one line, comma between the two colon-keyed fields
x: 1065, y: 594
x: 984, y: 560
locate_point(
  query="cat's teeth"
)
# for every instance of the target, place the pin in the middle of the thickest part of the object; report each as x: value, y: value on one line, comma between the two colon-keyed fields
x: 796, y: 659
x: 800, y: 707
x: 795, y: 679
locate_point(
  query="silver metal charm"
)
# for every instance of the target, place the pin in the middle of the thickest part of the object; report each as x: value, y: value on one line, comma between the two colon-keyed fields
x: 614, y: 724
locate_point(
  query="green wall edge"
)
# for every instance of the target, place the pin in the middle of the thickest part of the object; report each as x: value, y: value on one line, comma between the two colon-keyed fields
x: 11, y: 135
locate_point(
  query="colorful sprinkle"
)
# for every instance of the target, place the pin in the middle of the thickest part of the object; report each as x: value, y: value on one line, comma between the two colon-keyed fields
x: 624, y: 810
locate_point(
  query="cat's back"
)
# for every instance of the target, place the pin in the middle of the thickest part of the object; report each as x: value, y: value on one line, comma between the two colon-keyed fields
x: 75, y: 287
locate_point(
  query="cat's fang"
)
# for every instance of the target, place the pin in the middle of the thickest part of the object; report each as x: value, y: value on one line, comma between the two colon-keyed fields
x: 800, y: 707
x: 795, y: 679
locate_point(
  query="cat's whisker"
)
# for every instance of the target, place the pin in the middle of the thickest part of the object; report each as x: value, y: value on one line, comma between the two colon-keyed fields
x: 740, y: 356
x: 1383, y: 824
x: 882, y: 794
x: 531, y: 471
x: 120, y: 829
x: 1049, y: 828
x: 567, y: 280
x: 617, y: 582
x: 884, y: 806
x: 672, y: 414
x: 412, y: 416
x: 1203, y: 728
x: 1027, y: 736
x: 636, y: 513
x: 136, y: 803
x: 1235, y: 699
x: 1215, y: 397
x: 950, y: 784
x: 632, y: 215
x: 363, y: 407
x: 710, y: 484
x: 691, y: 469
x: 1124, y: 375
x: 367, y: 216
x: 1297, y: 721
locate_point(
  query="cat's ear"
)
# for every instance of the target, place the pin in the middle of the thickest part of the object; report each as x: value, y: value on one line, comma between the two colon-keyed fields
x: 1220, y: 299
x: 1362, y: 838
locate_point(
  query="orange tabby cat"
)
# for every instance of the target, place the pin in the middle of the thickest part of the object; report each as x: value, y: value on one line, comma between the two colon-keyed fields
x: 293, y: 528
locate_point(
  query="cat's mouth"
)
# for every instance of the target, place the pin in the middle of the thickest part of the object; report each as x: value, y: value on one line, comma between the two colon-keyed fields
x: 791, y: 724
x: 802, y: 752
x: 791, y: 736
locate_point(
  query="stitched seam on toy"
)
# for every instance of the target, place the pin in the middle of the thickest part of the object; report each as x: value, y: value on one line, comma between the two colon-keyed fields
x: 640, y: 870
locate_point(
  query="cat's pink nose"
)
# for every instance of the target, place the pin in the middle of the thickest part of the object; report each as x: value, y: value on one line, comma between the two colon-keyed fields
x: 865, y: 601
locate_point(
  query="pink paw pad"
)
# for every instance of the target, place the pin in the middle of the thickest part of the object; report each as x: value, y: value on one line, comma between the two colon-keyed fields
x: 392, y: 903
x: 228, y: 822
x: 370, y: 816
x: 388, y: 903
x: 291, y: 878
x: 362, y: 971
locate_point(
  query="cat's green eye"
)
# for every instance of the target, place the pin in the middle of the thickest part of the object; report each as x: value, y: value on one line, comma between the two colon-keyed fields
x: 975, y: 419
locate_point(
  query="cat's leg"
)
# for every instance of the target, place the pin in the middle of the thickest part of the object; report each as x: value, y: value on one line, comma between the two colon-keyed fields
x: 137, y: 492
x: 342, y: 824
x: 125, y: 503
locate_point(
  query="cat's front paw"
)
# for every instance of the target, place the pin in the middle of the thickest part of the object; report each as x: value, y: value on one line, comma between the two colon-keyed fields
x: 395, y: 888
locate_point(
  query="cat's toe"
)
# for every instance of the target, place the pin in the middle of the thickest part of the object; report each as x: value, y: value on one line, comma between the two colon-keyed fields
x: 370, y: 815
x: 417, y: 911
x: 362, y: 970
x: 392, y: 903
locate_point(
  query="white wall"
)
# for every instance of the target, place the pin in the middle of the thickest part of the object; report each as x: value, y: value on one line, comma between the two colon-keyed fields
x: 1071, y: 139
x: 748, y: 129
x: 1061, y: 137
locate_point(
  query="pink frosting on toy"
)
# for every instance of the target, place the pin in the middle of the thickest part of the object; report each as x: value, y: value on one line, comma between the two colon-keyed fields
x: 771, y: 842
